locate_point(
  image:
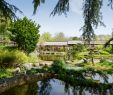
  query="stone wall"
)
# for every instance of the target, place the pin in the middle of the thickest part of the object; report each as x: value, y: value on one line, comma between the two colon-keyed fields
x: 6, y: 84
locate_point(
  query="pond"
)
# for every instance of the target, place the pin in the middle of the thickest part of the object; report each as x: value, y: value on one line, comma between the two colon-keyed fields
x: 56, y: 87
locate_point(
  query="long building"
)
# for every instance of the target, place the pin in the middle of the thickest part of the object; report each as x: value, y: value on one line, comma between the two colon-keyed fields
x: 74, y: 42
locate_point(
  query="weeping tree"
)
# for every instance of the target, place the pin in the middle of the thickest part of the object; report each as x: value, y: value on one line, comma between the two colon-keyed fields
x: 92, y: 17
x: 8, y: 10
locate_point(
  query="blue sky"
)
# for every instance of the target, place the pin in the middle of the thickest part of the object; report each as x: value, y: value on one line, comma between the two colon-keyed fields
x: 70, y: 25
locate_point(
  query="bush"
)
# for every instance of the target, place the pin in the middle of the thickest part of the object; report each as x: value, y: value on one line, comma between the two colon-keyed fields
x: 105, y: 62
x: 9, y: 58
x: 57, y: 66
x: 103, y: 52
x: 74, y: 51
x: 108, y: 49
x: 5, y: 73
x: 20, y: 56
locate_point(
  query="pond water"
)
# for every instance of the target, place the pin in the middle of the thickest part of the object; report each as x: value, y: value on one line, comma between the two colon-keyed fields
x: 55, y: 87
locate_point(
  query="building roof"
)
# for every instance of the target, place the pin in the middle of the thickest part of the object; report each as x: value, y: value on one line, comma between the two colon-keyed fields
x: 53, y: 44
x: 75, y: 42
x: 71, y: 43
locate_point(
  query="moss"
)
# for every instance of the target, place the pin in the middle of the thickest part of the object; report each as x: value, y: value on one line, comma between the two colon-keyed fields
x: 6, y: 73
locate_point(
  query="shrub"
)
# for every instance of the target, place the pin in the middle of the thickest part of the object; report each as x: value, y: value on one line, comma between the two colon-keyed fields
x: 33, y: 59
x: 9, y: 58
x: 105, y: 62
x: 74, y: 51
x: 57, y: 66
x: 20, y: 57
x: 5, y: 73
x: 108, y: 49
x: 103, y: 52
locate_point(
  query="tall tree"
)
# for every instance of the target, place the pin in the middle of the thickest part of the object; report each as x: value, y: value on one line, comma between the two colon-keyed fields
x: 60, y: 37
x: 45, y: 37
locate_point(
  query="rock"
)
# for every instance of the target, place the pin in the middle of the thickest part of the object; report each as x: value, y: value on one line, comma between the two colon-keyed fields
x: 16, y: 71
x: 28, y: 66
x: 36, y: 65
x: 8, y: 83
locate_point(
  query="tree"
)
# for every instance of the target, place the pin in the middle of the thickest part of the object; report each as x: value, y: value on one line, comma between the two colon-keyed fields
x: 108, y: 42
x: 74, y: 50
x: 45, y: 37
x: 75, y: 38
x: 25, y: 34
x: 60, y: 37
x: 8, y: 10
x: 4, y: 25
x: 103, y: 37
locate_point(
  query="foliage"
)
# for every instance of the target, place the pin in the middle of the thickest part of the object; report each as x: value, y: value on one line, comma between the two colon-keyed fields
x: 33, y: 59
x: 77, y: 78
x: 6, y: 58
x: 92, y: 17
x: 57, y: 66
x: 108, y: 49
x: 11, y: 58
x: 102, y: 37
x: 52, y: 57
x: 8, y: 10
x: 37, y: 3
x: 4, y: 33
x: 75, y: 38
x: 60, y: 37
x: 25, y: 34
x: 102, y: 52
x: 45, y: 37
x: 5, y: 73
x: 74, y: 50
x: 45, y: 87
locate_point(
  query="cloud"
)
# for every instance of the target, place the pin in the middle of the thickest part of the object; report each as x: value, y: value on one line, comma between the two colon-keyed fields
x: 76, y: 6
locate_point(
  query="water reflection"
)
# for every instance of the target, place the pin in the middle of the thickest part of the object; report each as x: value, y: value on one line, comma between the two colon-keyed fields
x: 30, y: 89
x: 57, y: 87
x: 44, y: 87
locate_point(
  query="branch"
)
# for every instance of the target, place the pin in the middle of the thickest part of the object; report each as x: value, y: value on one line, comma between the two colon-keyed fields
x: 36, y: 4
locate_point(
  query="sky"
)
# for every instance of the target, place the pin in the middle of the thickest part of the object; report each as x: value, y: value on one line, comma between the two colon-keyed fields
x: 70, y: 25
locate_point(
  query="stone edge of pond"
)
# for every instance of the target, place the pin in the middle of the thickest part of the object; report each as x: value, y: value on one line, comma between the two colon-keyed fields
x: 18, y: 80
